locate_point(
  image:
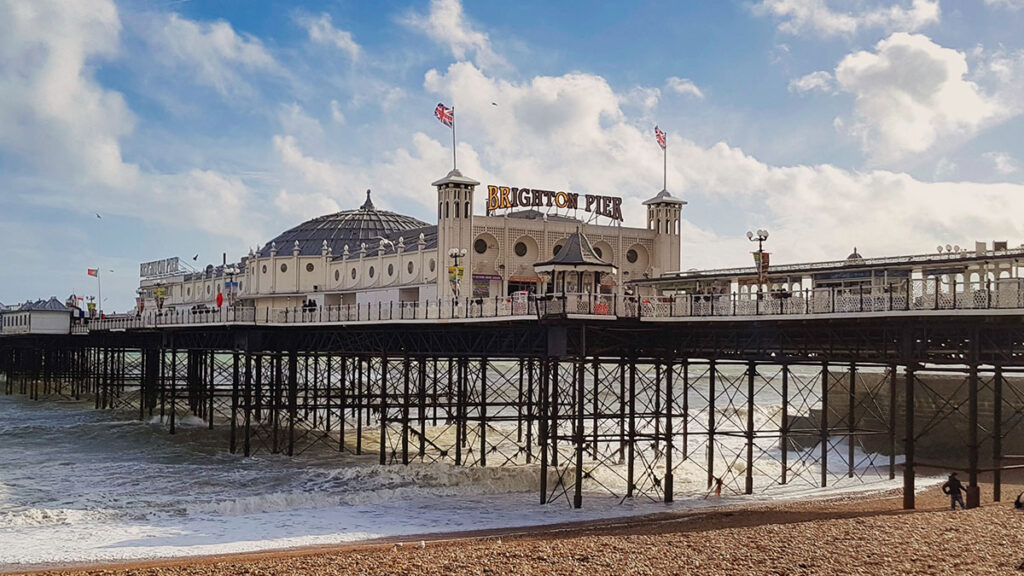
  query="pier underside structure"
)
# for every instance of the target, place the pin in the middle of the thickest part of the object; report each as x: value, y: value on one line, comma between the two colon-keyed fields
x: 637, y: 409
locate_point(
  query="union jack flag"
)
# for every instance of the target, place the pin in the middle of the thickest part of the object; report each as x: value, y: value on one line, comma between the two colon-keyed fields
x: 445, y: 115
x: 660, y: 136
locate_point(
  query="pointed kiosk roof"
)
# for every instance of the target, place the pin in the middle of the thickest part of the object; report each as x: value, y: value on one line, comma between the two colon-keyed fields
x: 576, y: 255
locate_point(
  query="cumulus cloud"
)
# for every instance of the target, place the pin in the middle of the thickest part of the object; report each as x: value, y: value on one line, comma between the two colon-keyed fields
x: 55, y: 115
x: 548, y: 123
x: 68, y: 128
x: 683, y: 86
x: 446, y: 24
x: 911, y: 92
x: 821, y: 81
x: 818, y: 17
x: 210, y: 53
x: 1003, y: 163
x: 322, y: 31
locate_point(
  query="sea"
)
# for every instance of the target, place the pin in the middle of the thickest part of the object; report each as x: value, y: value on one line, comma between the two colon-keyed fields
x: 79, y: 485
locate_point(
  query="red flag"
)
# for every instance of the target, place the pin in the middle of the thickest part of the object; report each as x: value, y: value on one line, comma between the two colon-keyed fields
x: 93, y: 271
x: 660, y: 136
x: 445, y: 115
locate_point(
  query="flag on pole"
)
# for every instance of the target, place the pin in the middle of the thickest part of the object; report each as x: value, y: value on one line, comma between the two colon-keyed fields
x: 660, y: 136
x: 444, y: 114
x: 93, y: 271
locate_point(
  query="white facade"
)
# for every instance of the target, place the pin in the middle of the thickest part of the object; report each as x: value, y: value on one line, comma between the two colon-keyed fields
x: 414, y: 265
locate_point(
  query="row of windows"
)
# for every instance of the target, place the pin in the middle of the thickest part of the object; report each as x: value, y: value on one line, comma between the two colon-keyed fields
x: 19, y: 320
x: 455, y: 209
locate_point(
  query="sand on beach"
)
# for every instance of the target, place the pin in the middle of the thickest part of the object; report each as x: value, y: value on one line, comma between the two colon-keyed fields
x: 861, y: 534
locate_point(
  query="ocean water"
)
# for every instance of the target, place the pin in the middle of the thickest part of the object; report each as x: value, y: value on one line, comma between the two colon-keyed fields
x: 81, y: 485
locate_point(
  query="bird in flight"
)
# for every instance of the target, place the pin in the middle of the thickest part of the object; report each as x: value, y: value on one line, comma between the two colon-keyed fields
x: 196, y: 257
x: 98, y: 216
x: 385, y: 242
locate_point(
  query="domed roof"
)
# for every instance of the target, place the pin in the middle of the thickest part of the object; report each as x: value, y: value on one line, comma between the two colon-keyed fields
x: 348, y: 227
x: 855, y: 255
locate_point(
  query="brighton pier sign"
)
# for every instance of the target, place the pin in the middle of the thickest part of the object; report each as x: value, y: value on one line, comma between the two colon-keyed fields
x: 504, y: 198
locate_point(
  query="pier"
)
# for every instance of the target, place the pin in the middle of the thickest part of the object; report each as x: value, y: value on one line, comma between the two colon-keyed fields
x: 601, y: 393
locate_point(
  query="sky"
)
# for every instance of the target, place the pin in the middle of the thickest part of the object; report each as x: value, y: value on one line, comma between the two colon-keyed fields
x: 136, y: 130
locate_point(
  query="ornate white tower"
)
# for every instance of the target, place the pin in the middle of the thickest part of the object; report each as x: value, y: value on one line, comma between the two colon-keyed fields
x: 455, y: 233
x: 664, y: 215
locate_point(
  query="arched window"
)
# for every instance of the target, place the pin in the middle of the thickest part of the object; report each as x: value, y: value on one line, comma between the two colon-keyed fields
x: 456, y: 209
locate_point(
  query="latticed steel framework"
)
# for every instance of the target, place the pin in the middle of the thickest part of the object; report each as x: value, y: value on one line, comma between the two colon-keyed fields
x: 625, y: 408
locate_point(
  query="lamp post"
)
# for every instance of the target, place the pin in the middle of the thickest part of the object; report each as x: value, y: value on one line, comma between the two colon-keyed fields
x: 759, y: 260
x: 455, y: 272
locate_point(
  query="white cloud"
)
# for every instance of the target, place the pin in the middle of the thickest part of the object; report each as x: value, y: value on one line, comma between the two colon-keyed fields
x: 910, y: 93
x: 1003, y: 163
x: 55, y: 115
x: 643, y: 97
x: 798, y: 16
x: 210, y: 53
x: 68, y: 128
x: 1008, y: 4
x: 569, y: 132
x: 683, y: 86
x: 336, y: 114
x: 321, y: 31
x: 446, y: 24
x: 820, y: 80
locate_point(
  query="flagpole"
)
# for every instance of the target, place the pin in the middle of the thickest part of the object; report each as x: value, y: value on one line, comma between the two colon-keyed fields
x: 664, y: 170
x: 99, y: 288
x: 455, y: 165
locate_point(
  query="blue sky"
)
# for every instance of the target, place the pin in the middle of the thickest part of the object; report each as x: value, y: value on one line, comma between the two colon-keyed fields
x: 200, y: 127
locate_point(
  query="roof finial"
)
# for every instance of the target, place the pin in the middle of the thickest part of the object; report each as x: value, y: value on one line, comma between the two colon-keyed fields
x: 368, y: 205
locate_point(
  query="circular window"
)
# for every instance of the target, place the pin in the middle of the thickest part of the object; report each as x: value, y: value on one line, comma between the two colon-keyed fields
x: 520, y: 249
x: 432, y: 265
x: 337, y: 275
x: 480, y: 245
x: 264, y: 268
x: 631, y: 256
x: 391, y: 269
x: 409, y: 267
x: 284, y: 267
x: 371, y: 271
x: 557, y: 249
x: 353, y: 273
x: 309, y: 267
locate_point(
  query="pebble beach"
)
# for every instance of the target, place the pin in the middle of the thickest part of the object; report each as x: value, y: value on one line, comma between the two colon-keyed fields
x: 862, y: 534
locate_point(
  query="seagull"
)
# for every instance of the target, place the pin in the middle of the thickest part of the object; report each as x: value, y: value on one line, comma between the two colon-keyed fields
x: 494, y: 103
x: 196, y: 257
x: 98, y: 216
x: 384, y: 242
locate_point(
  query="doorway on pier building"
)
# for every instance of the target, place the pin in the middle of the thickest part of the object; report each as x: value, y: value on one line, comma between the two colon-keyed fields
x: 523, y: 284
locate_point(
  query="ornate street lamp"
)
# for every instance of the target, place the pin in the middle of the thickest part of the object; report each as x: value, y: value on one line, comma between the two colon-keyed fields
x: 455, y: 272
x: 760, y: 257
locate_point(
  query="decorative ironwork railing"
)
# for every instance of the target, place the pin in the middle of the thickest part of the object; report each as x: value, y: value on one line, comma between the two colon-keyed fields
x: 919, y: 295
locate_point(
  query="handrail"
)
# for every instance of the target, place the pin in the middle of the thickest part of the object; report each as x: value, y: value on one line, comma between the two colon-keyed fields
x: 928, y: 294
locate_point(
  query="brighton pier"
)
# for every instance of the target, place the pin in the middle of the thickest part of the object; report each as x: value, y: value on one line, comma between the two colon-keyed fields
x: 815, y: 374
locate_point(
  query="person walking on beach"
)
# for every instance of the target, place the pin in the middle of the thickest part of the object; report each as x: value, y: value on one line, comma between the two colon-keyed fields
x: 953, y: 487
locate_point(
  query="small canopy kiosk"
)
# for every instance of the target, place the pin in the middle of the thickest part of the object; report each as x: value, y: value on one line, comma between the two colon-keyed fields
x: 576, y: 260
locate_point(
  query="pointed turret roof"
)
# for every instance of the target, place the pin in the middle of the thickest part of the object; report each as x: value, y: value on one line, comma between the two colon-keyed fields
x: 664, y: 197
x: 455, y: 177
